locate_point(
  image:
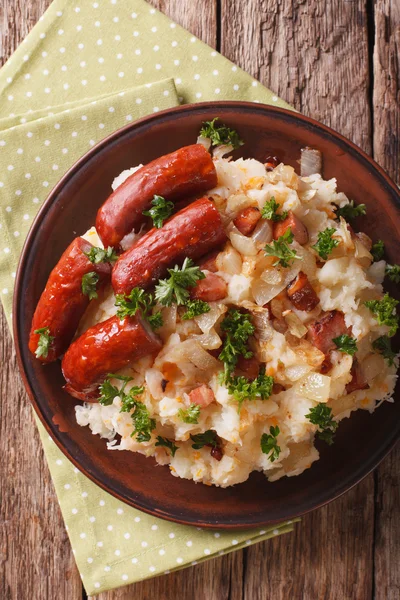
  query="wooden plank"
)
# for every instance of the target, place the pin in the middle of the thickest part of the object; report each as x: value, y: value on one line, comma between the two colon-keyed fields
x: 386, y: 105
x: 314, y: 55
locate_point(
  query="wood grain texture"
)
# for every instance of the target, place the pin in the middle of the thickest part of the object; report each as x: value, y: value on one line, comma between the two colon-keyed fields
x: 320, y: 56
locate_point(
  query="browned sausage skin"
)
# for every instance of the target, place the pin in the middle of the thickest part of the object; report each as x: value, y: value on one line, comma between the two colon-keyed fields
x: 247, y: 219
x: 299, y: 230
x: 186, y: 172
x: 301, y: 293
x: 105, y: 348
x: 192, y: 232
x: 62, y: 302
x: 210, y: 289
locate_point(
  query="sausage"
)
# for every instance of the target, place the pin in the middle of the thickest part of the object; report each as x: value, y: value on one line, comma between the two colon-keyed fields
x: 202, y: 396
x: 299, y: 230
x: 357, y: 381
x: 210, y: 289
x: 209, y: 262
x: 105, y: 348
x: 192, y: 232
x: 186, y: 172
x: 330, y: 326
x: 62, y: 302
x: 247, y: 219
x: 301, y: 293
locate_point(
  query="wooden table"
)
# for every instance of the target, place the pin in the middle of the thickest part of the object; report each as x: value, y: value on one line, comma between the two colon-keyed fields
x: 337, y: 61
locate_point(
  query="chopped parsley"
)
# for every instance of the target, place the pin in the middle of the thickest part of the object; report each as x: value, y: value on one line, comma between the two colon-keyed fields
x: 384, y: 311
x: 326, y: 243
x: 383, y: 345
x: 138, y: 299
x: 321, y: 415
x: 129, y: 400
x: 98, y: 255
x: 269, y: 211
x: 208, y: 438
x: 174, y: 289
x: 161, y: 209
x: 351, y: 211
x: 190, y: 415
x: 108, y: 392
x: 194, y: 308
x: 44, y: 343
x: 243, y: 389
x: 167, y: 443
x: 393, y: 272
x: 142, y: 422
x: 346, y: 344
x: 281, y: 250
x: 378, y: 250
x: 220, y: 134
x: 238, y: 328
x: 89, y: 282
x: 269, y: 443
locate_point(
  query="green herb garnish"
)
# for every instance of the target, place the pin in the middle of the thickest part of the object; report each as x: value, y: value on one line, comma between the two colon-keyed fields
x: 393, y: 272
x: 174, y: 289
x: 321, y: 415
x: 161, y: 209
x: 281, y: 250
x: 346, y: 344
x: 326, y: 243
x: 378, y: 250
x: 44, y: 342
x: 97, y: 255
x: 208, y: 438
x: 269, y: 443
x: 142, y: 422
x: 129, y: 400
x: 194, y: 308
x: 108, y: 392
x: 351, y: 211
x: 220, y: 135
x: 138, y: 299
x: 238, y: 328
x: 384, y: 311
x: 89, y: 282
x: 190, y: 415
x: 383, y: 345
x: 243, y: 389
x: 167, y: 443
x: 269, y: 211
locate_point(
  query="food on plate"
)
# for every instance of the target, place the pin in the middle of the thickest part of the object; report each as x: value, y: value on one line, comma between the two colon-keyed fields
x: 239, y: 328
x: 185, y: 173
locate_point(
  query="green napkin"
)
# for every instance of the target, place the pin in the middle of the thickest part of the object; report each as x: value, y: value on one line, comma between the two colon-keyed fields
x: 87, y: 69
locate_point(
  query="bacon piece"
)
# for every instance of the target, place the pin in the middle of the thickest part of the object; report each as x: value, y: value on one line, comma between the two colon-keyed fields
x: 326, y: 366
x: 298, y: 229
x: 209, y: 262
x: 202, y: 396
x: 210, y: 289
x: 330, y: 326
x: 247, y: 219
x: 271, y: 162
x: 217, y: 453
x: 301, y: 293
x: 277, y: 388
x: 249, y: 367
x: 357, y: 381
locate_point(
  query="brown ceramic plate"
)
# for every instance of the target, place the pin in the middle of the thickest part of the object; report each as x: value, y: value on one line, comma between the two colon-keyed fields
x: 361, y: 442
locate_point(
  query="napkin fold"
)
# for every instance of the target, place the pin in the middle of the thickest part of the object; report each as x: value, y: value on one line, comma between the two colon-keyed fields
x: 85, y: 70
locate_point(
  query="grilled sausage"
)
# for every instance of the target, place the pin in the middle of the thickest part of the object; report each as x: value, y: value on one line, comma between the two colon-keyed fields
x: 105, y: 348
x: 62, y: 302
x: 192, y: 232
x: 299, y: 230
x: 188, y: 171
x: 247, y: 219
x: 330, y: 326
x: 301, y: 293
x: 210, y: 289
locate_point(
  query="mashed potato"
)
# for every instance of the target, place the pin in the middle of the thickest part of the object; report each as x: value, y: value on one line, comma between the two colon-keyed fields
x: 343, y: 282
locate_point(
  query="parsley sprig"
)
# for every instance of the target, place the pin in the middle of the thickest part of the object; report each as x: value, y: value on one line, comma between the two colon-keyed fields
x: 270, y: 209
x: 194, y: 308
x: 325, y: 243
x: 351, y: 211
x: 238, y: 328
x: 346, y: 344
x: 44, y: 342
x: 393, y: 272
x: 108, y: 391
x: 220, y: 134
x: 378, y: 250
x: 190, y: 414
x: 243, y: 389
x: 170, y: 444
x: 161, y: 209
x: 175, y: 288
x: 384, y: 311
x: 98, y: 255
x: 208, y: 438
x: 138, y: 299
x: 269, y: 443
x: 281, y: 250
x: 383, y: 345
x: 321, y: 415
x: 89, y: 283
